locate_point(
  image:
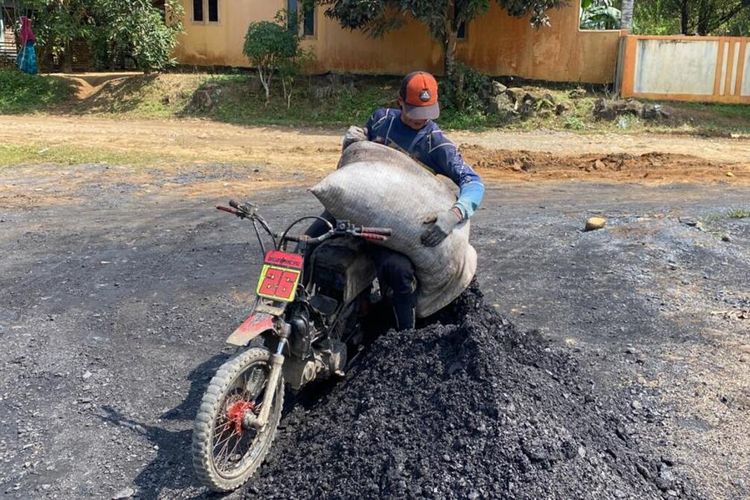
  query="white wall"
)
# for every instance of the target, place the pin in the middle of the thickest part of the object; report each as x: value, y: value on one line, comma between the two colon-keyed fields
x: 676, y: 67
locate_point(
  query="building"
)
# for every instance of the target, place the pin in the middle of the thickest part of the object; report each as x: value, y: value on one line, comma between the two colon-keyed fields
x: 496, y: 43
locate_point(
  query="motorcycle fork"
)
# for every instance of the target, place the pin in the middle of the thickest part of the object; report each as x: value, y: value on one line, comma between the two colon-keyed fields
x: 277, y: 360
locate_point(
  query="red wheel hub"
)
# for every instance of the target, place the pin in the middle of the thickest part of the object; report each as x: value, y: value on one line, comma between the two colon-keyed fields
x: 236, y: 413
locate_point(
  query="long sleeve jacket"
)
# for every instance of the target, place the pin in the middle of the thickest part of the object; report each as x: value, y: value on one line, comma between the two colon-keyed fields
x: 433, y: 150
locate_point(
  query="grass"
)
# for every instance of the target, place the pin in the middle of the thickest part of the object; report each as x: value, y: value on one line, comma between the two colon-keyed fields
x: 738, y: 214
x: 331, y: 101
x: 241, y: 101
x: 22, y: 93
x: 11, y: 155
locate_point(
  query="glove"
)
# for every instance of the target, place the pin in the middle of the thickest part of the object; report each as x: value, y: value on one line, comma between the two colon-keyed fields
x: 353, y: 134
x: 442, y: 225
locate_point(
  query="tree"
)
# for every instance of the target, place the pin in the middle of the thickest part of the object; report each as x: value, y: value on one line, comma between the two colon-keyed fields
x: 269, y: 46
x: 599, y: 15
x: 113, y: 29
x: 442, y: 17
x: 692, y: 17
x: 135, y: 29
x: 626, y: 17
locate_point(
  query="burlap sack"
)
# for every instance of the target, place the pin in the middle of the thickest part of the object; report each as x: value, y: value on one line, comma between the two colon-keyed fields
x: 378, y: 186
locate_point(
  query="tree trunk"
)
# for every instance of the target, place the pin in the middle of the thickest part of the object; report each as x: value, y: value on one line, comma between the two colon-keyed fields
x: 67, y: 65
x: 450, y: 38
x: 626, y: 22
x: 704, y: 18
x: 685, y: 17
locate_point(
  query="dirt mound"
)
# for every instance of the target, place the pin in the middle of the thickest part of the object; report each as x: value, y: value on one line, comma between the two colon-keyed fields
x: 465, y: 407
x: 616, y: 166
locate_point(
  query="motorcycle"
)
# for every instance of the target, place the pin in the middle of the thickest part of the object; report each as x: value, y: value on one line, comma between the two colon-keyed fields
x: 305, y: 325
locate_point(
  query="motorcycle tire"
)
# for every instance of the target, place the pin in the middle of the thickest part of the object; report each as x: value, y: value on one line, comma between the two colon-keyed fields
x: 225, y: 454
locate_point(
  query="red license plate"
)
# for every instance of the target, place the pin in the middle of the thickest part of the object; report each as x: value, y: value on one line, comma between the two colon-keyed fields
x: 279, y: 276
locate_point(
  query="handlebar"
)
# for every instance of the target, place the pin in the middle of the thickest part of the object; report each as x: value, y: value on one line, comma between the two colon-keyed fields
x: 342, y: 227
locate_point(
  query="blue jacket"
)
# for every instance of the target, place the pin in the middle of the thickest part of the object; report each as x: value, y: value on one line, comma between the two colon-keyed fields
x: 432, y: 149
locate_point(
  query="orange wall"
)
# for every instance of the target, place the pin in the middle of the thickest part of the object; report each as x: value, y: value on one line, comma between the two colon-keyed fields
x: 496, y: 44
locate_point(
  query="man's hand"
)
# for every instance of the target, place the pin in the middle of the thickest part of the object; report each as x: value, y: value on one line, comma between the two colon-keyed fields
x: 442, y: 225
x: 353, y: 134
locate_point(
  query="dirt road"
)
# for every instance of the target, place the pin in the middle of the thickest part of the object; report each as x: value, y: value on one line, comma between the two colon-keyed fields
x: 118, y: 286
x: 532, y: 156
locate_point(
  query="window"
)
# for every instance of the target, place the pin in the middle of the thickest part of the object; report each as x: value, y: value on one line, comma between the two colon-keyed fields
x: 307, y: 18
x: 291, y: 9
x: 461, y: 34
x: 198, y: 10
x: 213, y: 11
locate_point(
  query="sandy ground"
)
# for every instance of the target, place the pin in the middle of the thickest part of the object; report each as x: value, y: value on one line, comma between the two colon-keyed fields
x: 316, y: 150
x: 118, y: 286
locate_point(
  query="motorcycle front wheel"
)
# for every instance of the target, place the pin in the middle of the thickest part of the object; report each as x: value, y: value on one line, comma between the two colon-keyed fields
x: 226, y: 452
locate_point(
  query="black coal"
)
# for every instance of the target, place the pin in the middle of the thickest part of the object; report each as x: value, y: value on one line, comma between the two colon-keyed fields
x: 465, y: 407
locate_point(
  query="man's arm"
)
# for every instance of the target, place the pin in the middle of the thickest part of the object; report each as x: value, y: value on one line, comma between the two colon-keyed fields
x: 446, y: 160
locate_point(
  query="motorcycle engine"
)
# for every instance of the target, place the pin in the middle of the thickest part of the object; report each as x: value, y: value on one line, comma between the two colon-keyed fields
x: 342, y: 270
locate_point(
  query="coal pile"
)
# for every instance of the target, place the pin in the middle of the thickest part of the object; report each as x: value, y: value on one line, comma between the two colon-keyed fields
x: 467, y: 407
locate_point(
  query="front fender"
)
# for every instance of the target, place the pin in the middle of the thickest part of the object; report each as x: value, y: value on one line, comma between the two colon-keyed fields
x: 254, y: 325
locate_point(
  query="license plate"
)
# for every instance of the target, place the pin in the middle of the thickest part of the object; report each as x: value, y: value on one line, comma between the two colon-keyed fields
x: 279, y: 276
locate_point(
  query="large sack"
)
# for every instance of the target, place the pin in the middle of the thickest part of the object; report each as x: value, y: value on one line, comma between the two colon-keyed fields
x: 378, y: 186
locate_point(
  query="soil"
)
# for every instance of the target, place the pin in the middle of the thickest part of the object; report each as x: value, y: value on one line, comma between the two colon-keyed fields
x: 617, y: 365
x: 468, y: 407
x: 648, y: 167
x: 267, y: 157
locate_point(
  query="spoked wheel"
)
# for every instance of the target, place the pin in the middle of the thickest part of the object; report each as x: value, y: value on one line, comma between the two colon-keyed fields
x: 226, y: 449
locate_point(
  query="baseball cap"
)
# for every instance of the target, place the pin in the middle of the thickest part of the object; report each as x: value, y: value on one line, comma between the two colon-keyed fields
x: 419, y: 91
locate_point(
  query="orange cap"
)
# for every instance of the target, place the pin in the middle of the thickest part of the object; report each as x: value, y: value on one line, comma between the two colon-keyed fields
x: 419, y: 91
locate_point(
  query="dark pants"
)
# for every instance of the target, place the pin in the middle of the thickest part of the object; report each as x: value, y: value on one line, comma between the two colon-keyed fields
x: 395, y: 271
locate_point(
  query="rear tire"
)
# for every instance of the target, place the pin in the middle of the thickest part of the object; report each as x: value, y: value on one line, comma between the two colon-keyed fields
x: 223, y: 458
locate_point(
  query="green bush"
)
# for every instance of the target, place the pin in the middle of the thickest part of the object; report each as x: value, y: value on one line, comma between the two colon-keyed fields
x: 270, y: 47
x: 466, y: 91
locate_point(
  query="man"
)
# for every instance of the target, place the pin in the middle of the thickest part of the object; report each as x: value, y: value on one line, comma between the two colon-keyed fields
x: 410, y: 129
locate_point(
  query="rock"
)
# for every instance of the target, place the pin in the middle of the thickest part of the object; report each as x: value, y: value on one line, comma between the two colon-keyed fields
x: 668, y: 461
x: 577, y: 93
x: 726, y: 238
x: 86, y: 375
x: 599, y: 165
x: 498, y: 88
x: 729, y: 174
x: 595, y: 223
x: 202, y: 100
x: 663, y: 484
x: 501, y: 105
x: 609, y: 109
x: 515, y: 93
x: 652, y: 112
x: 561, y: 108
x: 643, y: 472
x: 636, y: 405
x: 124, y: 493
x: 531, y: 98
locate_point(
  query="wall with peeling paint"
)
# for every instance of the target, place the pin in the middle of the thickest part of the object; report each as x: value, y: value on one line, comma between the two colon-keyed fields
x: 496, y: 44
